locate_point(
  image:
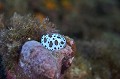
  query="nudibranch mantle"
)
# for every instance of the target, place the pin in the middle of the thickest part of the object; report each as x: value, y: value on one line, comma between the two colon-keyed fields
x: 53, y: 41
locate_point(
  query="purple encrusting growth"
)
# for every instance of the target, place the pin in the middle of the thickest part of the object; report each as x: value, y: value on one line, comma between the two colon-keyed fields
x: 39, y: 63
x: 27, y: 47
x: 53, y: 41
x: 35, y: 59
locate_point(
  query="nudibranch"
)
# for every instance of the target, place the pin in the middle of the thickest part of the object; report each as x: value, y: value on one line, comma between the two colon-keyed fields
x: 53, y: 41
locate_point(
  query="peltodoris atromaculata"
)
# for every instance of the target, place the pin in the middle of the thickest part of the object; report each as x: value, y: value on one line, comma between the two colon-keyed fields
x: 53, y: 41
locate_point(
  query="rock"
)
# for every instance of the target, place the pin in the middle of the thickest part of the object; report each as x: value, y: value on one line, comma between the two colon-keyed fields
x: 37, y: 62
x: 27, y: 47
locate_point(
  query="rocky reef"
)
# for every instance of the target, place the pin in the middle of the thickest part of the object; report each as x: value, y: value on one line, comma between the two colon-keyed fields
x: 93, y: 24
x: 37, y: 61
x: 97, y: 58
x: 23, y: 54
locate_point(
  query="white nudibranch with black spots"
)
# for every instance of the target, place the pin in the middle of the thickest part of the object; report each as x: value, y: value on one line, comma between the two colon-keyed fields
x: 53, y: 41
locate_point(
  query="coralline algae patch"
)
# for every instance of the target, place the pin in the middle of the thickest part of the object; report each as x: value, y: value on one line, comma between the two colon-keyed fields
x: 35, y: 60
x: 27, y: 47
x: 53, y: 41
x: 49, y: 58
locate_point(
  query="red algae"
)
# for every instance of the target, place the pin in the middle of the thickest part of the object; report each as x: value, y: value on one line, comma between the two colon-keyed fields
x: 46, y: 63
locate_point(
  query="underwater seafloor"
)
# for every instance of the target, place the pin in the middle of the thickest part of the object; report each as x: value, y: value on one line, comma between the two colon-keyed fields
x: 93, y: 24
x: 95, y: 59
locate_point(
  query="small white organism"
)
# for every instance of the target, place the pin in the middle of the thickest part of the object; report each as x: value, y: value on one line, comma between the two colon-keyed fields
x: 53, y: 41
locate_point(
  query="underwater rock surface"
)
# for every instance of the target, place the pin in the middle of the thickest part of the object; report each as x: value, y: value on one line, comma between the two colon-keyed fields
x: 37, y: 62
